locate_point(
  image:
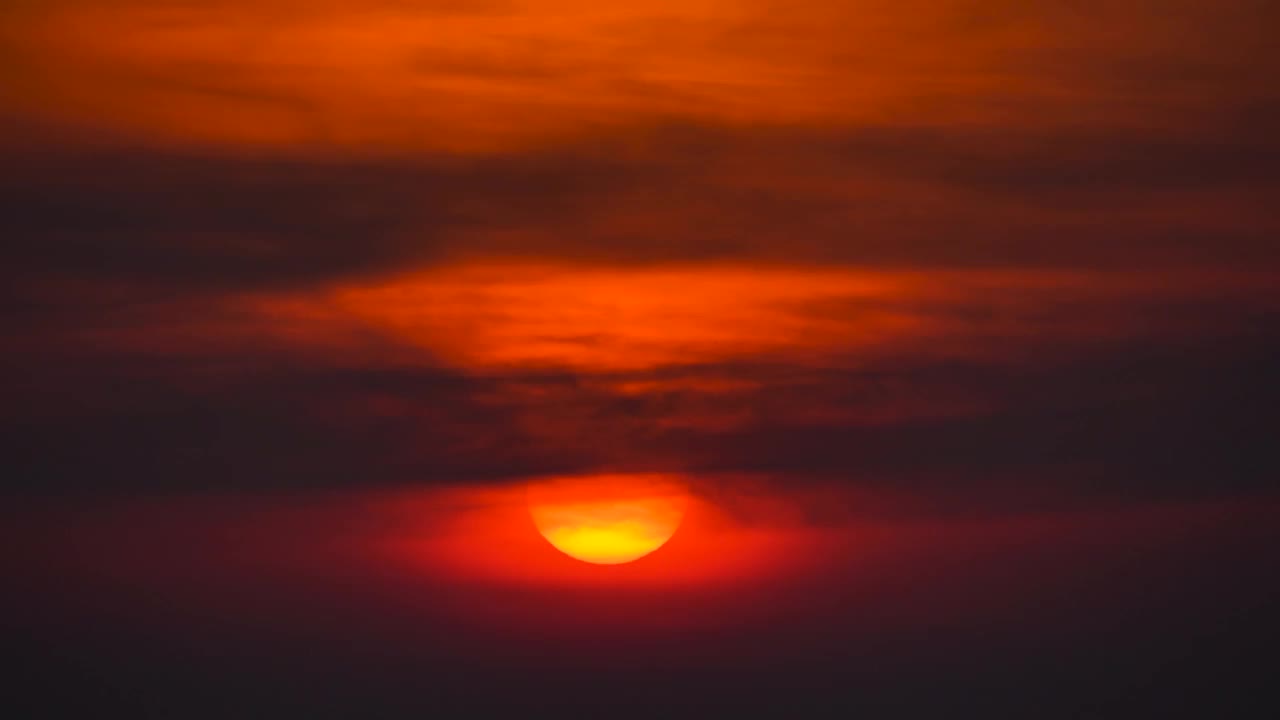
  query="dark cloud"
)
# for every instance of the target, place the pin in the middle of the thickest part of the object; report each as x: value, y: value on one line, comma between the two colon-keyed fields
x: 1134, y: 424
x: 1168, y: 411
x: 898, y: 196
x: 237, y: 222
x: 138, y: 427
x: 1063, y: 165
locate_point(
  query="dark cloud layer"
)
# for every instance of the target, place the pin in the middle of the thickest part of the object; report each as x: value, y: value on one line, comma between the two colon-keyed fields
x: 891, y: 196
x: 1138, y: 423
x: 223, y: 223
x: 1151, y: 417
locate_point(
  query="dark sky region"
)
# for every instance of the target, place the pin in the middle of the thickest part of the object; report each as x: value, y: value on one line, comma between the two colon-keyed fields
x: 958, y: 320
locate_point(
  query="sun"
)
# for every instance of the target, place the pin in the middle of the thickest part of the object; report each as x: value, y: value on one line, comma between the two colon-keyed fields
x: 608, y: 519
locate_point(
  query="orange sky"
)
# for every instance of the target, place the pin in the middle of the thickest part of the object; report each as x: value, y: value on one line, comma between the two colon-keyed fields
x: 485, y: 75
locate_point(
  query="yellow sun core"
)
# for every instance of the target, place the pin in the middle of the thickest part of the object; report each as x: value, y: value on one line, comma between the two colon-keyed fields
x: 608, y: 519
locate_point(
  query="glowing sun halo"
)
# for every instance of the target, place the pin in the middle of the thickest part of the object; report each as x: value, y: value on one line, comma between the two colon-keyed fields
x: 608, y: 520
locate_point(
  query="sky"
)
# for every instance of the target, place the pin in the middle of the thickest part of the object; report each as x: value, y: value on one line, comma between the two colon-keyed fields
x: 956, y: 320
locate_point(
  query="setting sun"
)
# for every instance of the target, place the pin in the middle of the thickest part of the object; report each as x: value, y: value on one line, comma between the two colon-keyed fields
x: 608, y: 520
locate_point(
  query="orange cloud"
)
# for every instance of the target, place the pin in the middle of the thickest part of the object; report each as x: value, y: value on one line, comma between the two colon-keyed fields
x: 499, y: 73
x: 489, y: 316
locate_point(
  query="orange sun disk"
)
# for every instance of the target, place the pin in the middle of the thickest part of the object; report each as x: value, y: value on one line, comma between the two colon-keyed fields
x: 609, y: 519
